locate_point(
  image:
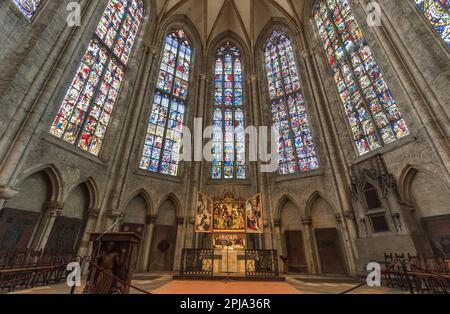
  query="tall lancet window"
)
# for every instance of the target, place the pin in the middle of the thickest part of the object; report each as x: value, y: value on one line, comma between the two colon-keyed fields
x: 297, y: 152
x: 86, y: 110
x: 229, y: 138
x: 369, y: 105
x: 165, y: 125
x: 437, y: 13
x: 27, y: 7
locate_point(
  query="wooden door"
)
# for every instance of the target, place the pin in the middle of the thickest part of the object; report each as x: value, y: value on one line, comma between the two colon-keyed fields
x: 437, y: 230
x: 295, y: 251
x: 329, y: 251
x: 16, y: 228
x: 163, y: 248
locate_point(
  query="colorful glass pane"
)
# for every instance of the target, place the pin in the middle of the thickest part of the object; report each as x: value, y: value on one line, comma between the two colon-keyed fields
x: 297, y: 152
x: 165, y: 126
x: 86, y: 111
x: 437, y: 13
x: 228, y: 149
x: 368, y: 103
x: 27, y: 7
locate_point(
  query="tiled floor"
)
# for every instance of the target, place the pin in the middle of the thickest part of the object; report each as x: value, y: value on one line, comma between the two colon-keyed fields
x: 164, y: 284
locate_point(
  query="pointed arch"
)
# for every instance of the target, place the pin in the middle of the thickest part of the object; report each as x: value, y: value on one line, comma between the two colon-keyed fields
x: 406, y: 177
x: 146, y: 196
x: 54, y: 175
x: 313, y: 198
x: 172, y: 101
x: 229, y: 108
x: 92, y: 189
x: 285, y: 97
x: 174, y: 199
x: 280, y: 204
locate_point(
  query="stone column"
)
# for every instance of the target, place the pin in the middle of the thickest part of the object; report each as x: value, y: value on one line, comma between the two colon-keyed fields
x: 6, y: 193
x: 147, y: 241
x: 110, y: 217
x: 179, y: 243
x: 310, y: 245
x: 91, y: 221
x: 52, y: 211
x: 277, y: 235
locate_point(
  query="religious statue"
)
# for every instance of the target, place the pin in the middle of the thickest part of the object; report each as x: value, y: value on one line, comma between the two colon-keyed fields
x: 111, y: 264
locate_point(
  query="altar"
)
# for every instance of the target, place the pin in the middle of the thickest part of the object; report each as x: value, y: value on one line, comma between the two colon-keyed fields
x: 229, y: 219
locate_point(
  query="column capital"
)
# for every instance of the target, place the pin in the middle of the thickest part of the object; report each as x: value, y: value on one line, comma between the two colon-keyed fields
x: 94, y: 213
x: 306, y: 220
x: 180, y: 220
x: 7, y: 192
x: 307, y: 53
x: 338, y: 218
x: 203, y: 77
x: 254, y: 78
x: 151, y: 219
x: 277, y: 222
x: 349, y: 215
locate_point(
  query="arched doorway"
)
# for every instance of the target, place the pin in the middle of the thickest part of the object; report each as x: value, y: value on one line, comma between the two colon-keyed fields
x: 293, y: 245
x: 68, y: 228
x: 164, y: 238
x: 431, y: 199
x: 20, y: 215
x: 327, y: 239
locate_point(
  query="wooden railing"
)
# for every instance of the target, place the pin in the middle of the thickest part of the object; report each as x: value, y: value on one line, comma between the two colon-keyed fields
x: 31, y: 268
x: 418, y: 274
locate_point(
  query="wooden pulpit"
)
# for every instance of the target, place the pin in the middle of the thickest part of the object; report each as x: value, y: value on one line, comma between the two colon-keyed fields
x: 113, y: 260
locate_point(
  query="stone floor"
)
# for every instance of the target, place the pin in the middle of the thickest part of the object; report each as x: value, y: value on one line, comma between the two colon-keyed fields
x: 162, y: 283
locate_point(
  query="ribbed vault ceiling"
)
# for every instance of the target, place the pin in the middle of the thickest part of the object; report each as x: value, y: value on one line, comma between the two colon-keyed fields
x: 244, y: 17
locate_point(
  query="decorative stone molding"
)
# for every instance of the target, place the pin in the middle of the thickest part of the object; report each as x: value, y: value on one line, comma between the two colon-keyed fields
x: 152, y: 219
x: 54, y: 205
x: 204, y: 77
x: 407, y: 207
x: 180, y: 220
x: 350, y: 215
x: 277, y: 222
x: 306, y: 220
x: 94, y: 213
x: 7, y: 192
x: 338, y: 218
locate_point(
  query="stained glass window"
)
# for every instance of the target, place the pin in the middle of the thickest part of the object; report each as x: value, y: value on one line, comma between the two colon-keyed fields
x: 437, y: 13
x: 228, y: 148
x: 86, y: 110
x: 368, y: 102
x: 165, y: 126
x: 27, y: 7
x: 297, y: 152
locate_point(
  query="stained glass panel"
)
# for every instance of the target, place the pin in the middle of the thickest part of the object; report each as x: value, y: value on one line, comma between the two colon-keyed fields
x: 86, y: 111
x: 165, y: 126
x: 368, y: 102
x: 297, y: 152
x: 27, y: 7
x: 437, y: 13
x: 228, y: 149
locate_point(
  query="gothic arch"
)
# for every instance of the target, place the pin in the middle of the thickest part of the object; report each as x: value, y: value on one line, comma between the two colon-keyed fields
x: 92, y: 189
x: 312, y: 199
x: 146, y: 196
x: 174, y: 199
x: 406, y: 178
x: 282, y: 201
x: 54, y: 175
